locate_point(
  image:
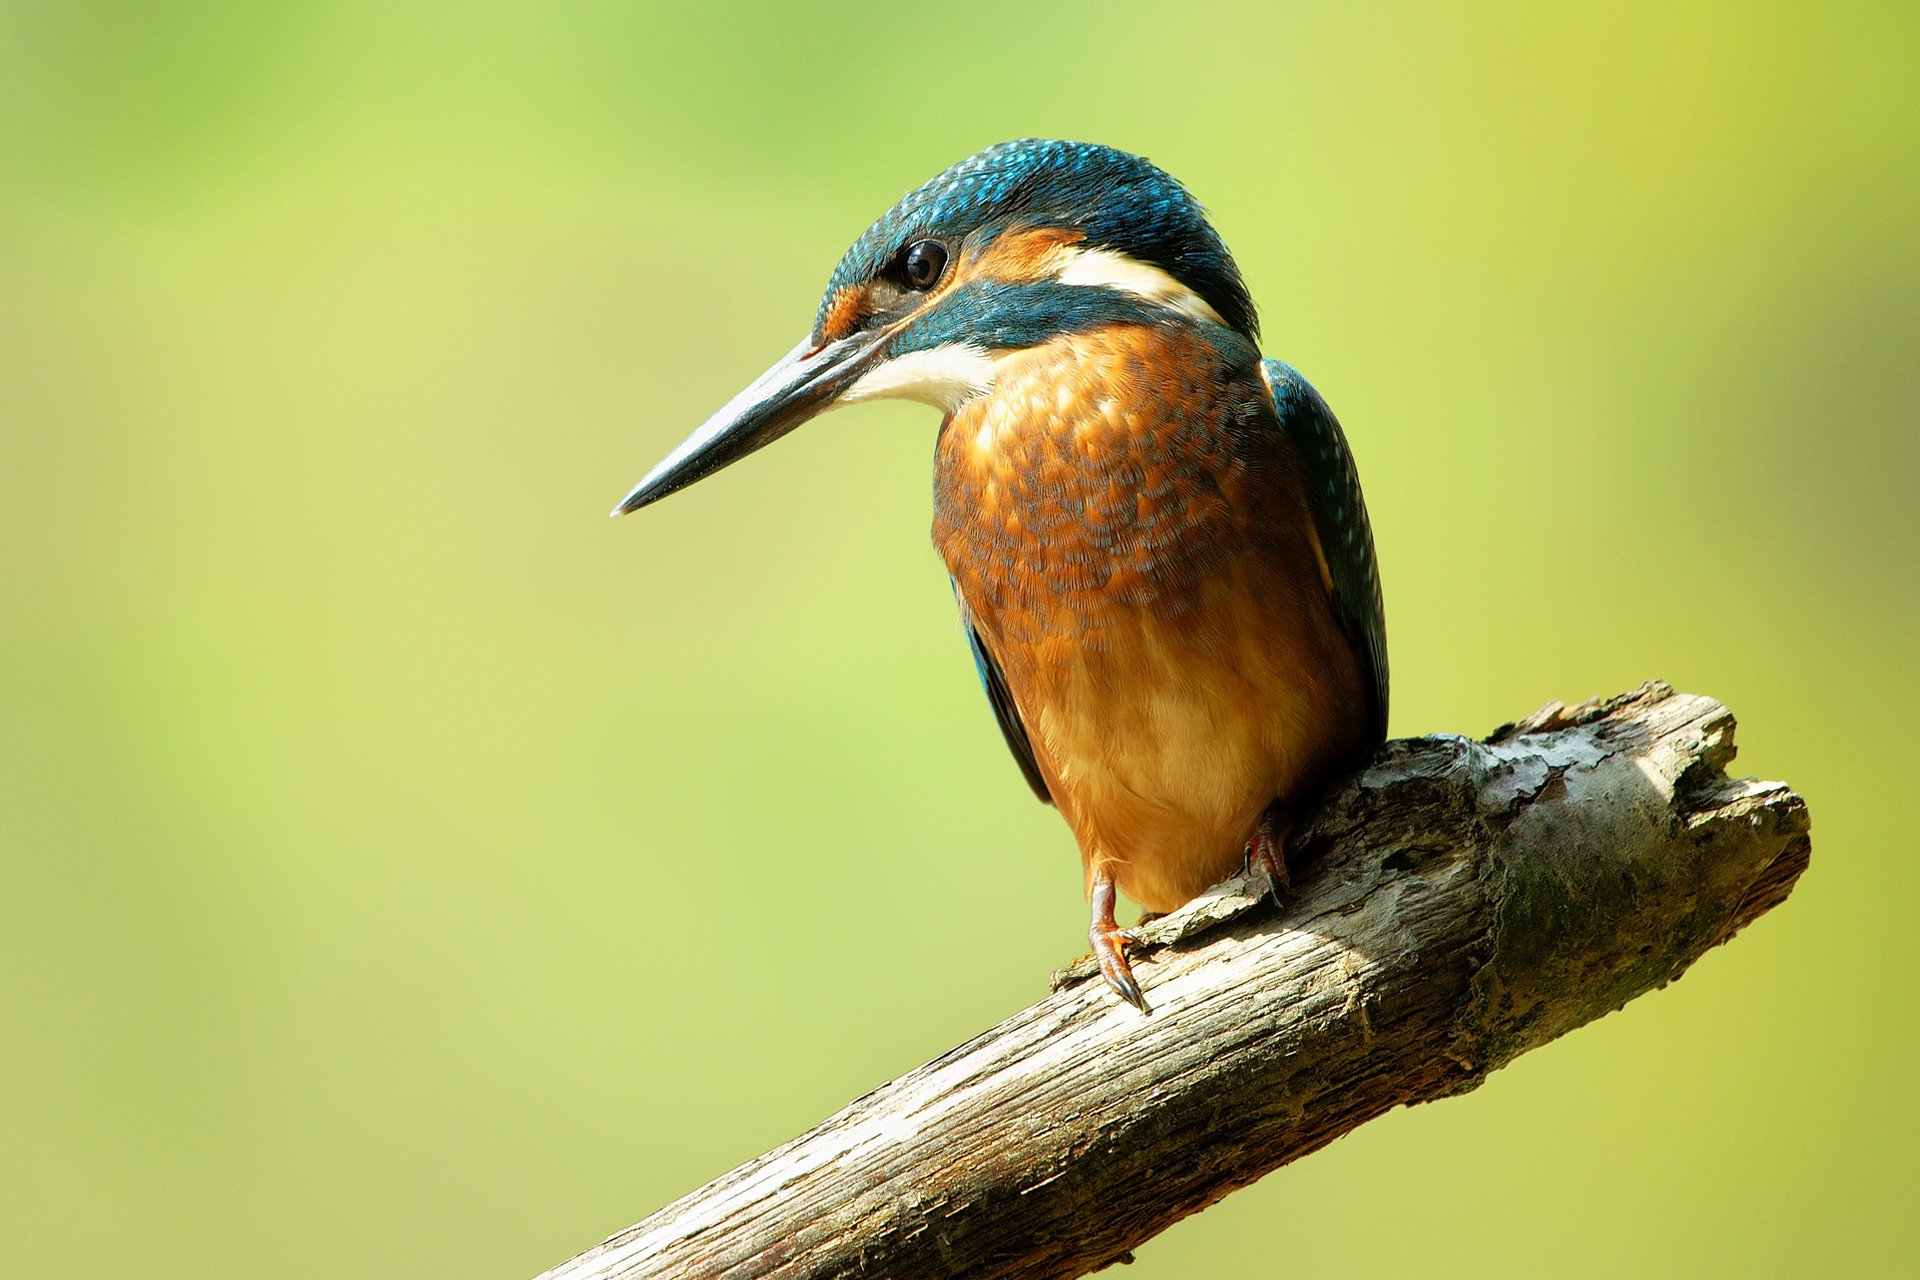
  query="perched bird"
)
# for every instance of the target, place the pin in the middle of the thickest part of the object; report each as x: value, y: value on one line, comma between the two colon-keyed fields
x: 1156, y: 538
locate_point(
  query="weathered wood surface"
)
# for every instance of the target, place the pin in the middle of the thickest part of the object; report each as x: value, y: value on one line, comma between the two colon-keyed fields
x: 1461, y: 903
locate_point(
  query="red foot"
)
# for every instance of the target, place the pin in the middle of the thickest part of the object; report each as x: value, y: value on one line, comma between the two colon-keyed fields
x: 1265, y: 854
x: 1109, y: 945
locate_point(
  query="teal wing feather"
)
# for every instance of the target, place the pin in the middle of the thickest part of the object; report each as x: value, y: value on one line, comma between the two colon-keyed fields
x: 1340, y: 519
x: 1012, y: 727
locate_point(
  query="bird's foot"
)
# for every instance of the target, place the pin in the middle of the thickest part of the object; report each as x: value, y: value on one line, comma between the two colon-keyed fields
x: 1110, y: 952
x: 1266, y: 857
x: 1110, y: 943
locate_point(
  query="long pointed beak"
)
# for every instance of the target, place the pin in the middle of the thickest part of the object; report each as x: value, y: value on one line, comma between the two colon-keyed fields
x: 805, y: 381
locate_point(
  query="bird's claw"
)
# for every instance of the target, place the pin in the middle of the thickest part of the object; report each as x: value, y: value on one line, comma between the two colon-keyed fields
x: 1109, y: 951
x: 1265, y: 859
x: 1110, y: 942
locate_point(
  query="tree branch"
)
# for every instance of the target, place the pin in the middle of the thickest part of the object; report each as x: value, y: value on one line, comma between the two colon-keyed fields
x: 1461, y: 903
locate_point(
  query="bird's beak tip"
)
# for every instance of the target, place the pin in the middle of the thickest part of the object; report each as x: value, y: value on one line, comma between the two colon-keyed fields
x: 627, y: 506
x: 644, y: 494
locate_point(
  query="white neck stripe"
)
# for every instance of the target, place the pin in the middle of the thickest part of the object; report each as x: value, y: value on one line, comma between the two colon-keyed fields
x: 1111, y: 269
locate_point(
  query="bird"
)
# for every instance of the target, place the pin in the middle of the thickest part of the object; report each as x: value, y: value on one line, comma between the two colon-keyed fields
x: 1156, y: 537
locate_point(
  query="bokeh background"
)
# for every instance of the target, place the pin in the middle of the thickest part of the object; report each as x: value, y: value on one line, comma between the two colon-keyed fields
x: 408, y: 872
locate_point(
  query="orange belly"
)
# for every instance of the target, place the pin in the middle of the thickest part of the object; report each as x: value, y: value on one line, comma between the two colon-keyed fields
x: 1151, y: 589
x: 1162, y: 753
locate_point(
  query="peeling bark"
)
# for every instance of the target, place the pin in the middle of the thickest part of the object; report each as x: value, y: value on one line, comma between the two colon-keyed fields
x: 1454, y: 905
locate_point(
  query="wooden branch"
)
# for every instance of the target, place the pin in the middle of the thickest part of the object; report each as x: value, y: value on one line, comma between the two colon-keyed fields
x: 1461, y: 903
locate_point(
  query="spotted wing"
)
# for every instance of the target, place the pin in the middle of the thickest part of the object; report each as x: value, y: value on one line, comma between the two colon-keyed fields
x: 1340, y: 520
x: 1004, y: 710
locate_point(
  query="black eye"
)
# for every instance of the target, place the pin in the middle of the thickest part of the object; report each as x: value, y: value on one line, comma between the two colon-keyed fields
x: 924, y: 262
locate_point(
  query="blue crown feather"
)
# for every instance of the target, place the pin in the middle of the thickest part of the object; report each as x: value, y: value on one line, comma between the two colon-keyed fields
x: 1115, y: 200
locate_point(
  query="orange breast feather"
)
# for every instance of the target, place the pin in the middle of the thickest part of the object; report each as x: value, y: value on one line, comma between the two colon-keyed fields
x: 1125, y: 524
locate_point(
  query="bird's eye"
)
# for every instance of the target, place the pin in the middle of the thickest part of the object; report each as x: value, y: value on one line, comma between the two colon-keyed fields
x: 924, y: 262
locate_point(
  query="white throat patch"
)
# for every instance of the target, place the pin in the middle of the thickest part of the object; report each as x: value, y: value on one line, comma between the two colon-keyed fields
x: 946, y: 377
x: 1111, y: 269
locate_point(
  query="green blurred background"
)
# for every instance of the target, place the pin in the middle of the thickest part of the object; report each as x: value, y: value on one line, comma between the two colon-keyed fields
x: 409, y: 872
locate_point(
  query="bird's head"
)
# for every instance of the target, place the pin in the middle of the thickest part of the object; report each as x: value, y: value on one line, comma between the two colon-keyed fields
x: 1002, y: 252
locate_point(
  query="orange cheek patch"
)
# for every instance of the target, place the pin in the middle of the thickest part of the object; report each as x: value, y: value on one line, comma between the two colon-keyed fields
x: 843, y: 316
x: 1023, y: 255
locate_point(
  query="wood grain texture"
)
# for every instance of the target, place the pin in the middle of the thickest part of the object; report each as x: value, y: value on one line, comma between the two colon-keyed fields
x: 1460, y: 903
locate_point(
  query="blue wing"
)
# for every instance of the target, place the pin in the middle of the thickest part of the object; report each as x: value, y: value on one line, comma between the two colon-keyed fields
x: 1340, y: 520
x: 1004, y: 710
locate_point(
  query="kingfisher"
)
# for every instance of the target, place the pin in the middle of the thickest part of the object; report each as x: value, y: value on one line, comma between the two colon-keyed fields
x: 1156, y: 538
